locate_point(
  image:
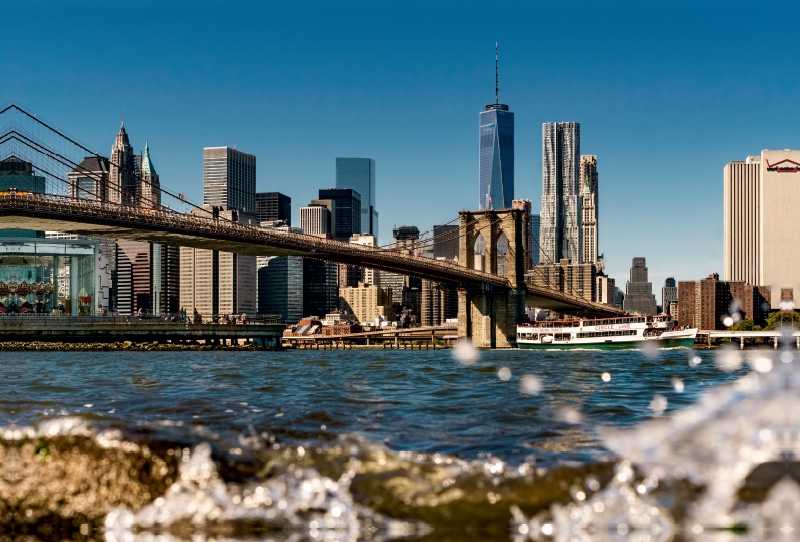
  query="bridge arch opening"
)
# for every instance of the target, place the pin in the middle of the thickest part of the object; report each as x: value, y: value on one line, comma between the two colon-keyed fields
x: 479, y: 252
x: 501, y: 255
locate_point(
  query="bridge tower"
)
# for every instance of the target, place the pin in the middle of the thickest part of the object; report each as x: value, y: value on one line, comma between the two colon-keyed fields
x: 492, y: 241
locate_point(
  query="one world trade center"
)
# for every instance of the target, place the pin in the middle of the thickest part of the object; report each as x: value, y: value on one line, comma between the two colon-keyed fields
x: 497, y: 153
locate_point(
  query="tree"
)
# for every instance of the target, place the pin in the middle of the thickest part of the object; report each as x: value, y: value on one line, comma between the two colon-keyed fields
x: 746, y: 325
x: 778, y: 319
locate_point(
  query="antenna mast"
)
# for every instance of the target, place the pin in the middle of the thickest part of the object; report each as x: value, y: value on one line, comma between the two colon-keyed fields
x: 496, y: 79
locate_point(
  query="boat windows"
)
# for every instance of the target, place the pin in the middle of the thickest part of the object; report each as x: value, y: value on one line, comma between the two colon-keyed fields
x: 561, y: 337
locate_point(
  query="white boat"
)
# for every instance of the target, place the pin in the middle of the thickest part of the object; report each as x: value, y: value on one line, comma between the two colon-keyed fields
x: 634, y: 331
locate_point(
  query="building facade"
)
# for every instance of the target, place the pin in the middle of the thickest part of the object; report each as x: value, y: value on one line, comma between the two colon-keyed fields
x: 669, y: 293
x: 761, y: 196
x: 359, y: 175
x: 315, y: 219
x: 496, y: 145
x: 280, y: 287
x: 605, y: 289
x: 18, y: 174
x: 446, y: 243
x: 273, y: 207
x: 438, y: 303
x: 638, y: 291
x: 589, y: 211
x: 560, y: 234
x: 574, y: 279
x: 345, y: 211
x: 229, y: 179
x: 365, y: 302
x: 536, y: 224
x: 705, y: 303
x: 122, y: 171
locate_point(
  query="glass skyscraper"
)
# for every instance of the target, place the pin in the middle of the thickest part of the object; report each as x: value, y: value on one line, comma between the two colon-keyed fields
x: 496, y: 157
x: 359, y: 174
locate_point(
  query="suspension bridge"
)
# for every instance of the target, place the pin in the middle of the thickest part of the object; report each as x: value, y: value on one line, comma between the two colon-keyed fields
x: 491, y: 302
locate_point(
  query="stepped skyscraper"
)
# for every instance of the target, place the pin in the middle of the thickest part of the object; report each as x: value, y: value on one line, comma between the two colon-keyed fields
x: 560, y: 231
x: 589, y: 194
x: 496, y: 153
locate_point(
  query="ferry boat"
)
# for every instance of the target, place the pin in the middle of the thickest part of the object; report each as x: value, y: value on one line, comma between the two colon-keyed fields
x: 634, y: 331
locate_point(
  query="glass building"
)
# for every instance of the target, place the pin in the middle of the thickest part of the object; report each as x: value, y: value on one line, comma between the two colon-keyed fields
x: 496, y: 157
x: 49, y: 276
x: 18, y: 174
x: 345, y: 213
x: 359, y: 174
x: 280, y: 287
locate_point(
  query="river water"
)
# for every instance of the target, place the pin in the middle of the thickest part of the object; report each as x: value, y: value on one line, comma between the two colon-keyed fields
x: 320, y: 445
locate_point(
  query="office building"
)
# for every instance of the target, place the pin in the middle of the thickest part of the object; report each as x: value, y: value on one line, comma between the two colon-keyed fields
x: 446, y: 243
x: 121, y: 171
x: 345, y: 207
x: 359, y: 175
x: 536, y: 224
x: 280, y: 287
x: 89, y: 179
x: 574, y: 279
x: 525, y: 206
x: 761, y: 197
x: 315, y: 219
x: 218, y: 283
x: 638, y: 291
x: 496, y: 143
x: 365, y: 302
x: 589, y: 212
x: 396, y: 283
x: 229, y: 179
x: 560, y: 234
x: 273, y: 207
x: 17, y: 173
x: 438, y: 303
x: 320, y: 287
x: 367, y: 275
x: 669, y: 293
x: 605, y: 289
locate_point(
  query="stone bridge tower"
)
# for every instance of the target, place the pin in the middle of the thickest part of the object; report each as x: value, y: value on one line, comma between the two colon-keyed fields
x: 492, y: 241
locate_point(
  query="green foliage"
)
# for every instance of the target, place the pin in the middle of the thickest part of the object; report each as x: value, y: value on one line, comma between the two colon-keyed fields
x: 778, y: 319
x: 746, y: 325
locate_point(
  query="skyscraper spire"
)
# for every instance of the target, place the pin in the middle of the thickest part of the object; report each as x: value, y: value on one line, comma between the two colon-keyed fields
x: 496, y: 77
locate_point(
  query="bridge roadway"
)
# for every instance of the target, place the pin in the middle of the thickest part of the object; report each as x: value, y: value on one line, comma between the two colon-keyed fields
x: 169, y: 227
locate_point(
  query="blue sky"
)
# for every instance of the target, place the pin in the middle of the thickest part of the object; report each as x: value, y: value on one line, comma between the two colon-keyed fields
x: 666, y: 96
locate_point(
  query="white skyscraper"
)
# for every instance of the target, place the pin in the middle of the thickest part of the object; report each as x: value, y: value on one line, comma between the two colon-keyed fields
x: 560, y: 230
x: 589, y: 190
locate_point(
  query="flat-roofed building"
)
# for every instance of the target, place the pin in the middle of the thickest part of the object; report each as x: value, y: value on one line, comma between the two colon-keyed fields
x: 365, y: 302
x: 761, y: 198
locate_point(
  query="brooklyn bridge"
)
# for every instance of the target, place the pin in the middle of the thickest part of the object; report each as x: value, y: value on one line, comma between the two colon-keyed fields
x: 491, y: 301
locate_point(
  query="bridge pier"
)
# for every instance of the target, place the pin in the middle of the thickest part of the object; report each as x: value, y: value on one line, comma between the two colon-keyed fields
x: 490, y: 318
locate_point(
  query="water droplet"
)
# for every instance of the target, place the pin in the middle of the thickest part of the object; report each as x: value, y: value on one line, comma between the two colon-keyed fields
x: 727, y: 321
x: 606, y: 377
x: 570, y: 415
x: 658, y: 404
x: 787, y: 356
x: 678, y: 385
x: 695, y: 361
x: 465, y: 352
x: 762, y: 364
x: 504, y: 373
x: 530, y: 384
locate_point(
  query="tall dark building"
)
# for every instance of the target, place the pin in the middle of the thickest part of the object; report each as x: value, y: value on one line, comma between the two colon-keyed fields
x: 320, y: 287
x: 446, y: 242
x: 359, y: 174
x: 346, y: 211
x: 496, y: 141
x: 272, y: 206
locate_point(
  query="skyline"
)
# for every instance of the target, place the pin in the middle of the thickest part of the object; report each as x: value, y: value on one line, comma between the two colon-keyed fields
x: 664, y: 105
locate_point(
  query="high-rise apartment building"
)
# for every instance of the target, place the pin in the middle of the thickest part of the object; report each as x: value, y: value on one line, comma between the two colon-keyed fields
x: 669, y: 293
x: 496, y: 144
x: 605, y: 289
x: 273, y: 206
x: 438, y: 303
x: 359, y: 175
x: 122, y: 171
x: 705, y: 303
x: 365, y: 302
x: 560, y: 234
x: 638, y: 291
x: 761, y: 197
x: 589, y: 212
x: 345, y: 211
x: 229, y: 179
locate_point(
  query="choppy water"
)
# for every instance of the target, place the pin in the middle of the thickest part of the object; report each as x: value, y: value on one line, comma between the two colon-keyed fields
x: 354, y: 445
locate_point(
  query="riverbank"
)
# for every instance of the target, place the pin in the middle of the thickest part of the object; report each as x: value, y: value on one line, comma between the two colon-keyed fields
x: 40, y: 346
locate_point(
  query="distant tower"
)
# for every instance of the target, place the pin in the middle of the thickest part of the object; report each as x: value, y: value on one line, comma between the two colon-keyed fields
x: 359, y: 174
x: 560, y: 233
x: 589, y: 195
x: 149, y: 187
x: 121, y: 179
x: 496, y: 152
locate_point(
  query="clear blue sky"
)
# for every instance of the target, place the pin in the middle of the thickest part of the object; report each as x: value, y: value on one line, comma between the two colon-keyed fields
x: 665, y: 97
